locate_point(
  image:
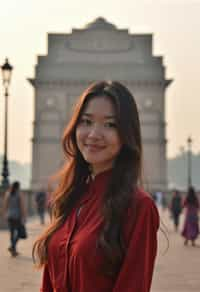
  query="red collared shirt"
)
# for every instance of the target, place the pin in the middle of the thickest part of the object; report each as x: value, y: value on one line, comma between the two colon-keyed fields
x: 74, y: 262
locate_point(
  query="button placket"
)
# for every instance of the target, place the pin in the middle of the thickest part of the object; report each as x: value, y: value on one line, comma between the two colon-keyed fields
x: 75, y: 219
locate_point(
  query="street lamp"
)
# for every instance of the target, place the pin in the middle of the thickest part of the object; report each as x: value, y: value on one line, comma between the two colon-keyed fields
x: 189, y: 142
x: 6, y: 69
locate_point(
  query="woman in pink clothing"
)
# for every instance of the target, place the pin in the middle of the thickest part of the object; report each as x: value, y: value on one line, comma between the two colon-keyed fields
x: 191, y: 224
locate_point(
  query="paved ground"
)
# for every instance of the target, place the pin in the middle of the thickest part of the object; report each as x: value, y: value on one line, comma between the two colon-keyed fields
x: 177, y: 270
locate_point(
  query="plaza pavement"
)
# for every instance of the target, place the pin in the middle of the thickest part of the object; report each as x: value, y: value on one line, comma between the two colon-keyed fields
x: 177, y: 269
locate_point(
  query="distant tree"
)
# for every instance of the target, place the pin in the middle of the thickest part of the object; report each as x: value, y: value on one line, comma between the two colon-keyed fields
x: 177, y: 170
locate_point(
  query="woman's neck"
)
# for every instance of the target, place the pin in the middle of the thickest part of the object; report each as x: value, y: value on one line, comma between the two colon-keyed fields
x: 96, y: 171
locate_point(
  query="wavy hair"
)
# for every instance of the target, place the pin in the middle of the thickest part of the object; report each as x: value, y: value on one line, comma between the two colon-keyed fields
x: 72, y: 177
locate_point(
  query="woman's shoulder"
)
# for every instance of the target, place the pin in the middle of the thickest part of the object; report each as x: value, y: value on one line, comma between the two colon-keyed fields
x: 143, y: 197
x: 144, y: 203
x: 143, y: 210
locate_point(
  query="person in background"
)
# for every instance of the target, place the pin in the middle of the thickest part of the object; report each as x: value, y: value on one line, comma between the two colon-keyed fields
x: 103, y: 232
x: 164, y: 202
x: 40, y: 200
x: 176, y: 208
x: 50, y: 191
x: 14, y: 211
x: 159, y: 198
x: 191, y: 225
x: 154, y: 197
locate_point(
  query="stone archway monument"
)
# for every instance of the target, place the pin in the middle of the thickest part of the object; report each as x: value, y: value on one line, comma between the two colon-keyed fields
x: 99, y: 51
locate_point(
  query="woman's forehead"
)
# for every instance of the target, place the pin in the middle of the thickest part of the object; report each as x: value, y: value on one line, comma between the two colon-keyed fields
x: 100, y: 106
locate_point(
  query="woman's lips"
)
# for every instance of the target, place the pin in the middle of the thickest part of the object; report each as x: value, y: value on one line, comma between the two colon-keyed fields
x: 94, y: 148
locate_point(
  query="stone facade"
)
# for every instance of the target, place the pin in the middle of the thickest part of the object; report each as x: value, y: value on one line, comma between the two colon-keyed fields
x: 100, y: 51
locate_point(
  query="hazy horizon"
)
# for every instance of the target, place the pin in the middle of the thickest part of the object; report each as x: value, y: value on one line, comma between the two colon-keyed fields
x: 173, y: 23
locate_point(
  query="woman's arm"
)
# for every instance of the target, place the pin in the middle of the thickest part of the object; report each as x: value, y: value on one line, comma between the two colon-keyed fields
x: 137, y: 269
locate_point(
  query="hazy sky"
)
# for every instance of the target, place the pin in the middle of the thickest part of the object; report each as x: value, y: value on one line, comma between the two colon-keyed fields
x: 175, y: 24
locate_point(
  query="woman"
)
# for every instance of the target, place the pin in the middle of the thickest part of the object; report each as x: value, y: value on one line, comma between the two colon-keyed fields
x: 103, y: 235
x: 191, y: 224
x: 14, y: 209
x: 176, y: 208
x: 40, y: 200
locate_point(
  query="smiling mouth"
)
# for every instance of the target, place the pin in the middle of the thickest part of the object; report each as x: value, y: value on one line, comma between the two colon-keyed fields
x: 94, y: 147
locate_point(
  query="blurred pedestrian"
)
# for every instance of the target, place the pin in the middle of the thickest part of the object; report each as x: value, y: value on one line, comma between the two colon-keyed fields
x: 14, y: 210
x: 164, y: 202
x: 159, y: 198
x: 154, y: 197
x: 191, y: 225
x: 50, y: 190
x: 40, y: 200
x: 176, y: 208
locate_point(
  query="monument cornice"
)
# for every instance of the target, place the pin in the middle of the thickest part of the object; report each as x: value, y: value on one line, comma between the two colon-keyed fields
x: 139, y: 83
x: 103, y: 51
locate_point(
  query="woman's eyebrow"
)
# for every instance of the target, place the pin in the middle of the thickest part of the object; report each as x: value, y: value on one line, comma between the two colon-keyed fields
x: 105, y: 117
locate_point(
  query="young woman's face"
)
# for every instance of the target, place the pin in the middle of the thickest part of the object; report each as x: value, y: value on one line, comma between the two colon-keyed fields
x: 97, y: 135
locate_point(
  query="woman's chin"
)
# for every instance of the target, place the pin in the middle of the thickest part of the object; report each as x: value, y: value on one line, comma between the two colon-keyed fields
x: 93, y: 161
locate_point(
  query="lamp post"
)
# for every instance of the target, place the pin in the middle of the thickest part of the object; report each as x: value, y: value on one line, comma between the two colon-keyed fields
x: 189, y: 143
x: 6, y: 69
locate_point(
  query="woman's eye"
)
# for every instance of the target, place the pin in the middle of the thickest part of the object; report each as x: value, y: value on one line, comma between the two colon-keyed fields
x: 111, y: 125
x: 86, y: 122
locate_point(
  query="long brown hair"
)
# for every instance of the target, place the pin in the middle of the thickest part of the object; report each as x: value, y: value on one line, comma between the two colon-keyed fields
x: 73, y: 175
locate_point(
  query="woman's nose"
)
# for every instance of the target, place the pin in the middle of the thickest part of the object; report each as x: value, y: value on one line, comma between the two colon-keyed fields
x: 95, y: 131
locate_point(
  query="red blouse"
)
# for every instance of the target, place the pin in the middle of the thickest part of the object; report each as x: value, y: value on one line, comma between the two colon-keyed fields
x: 74, y: 262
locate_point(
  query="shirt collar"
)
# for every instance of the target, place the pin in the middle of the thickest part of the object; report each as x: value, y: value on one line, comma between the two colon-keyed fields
x: 97, y: 184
